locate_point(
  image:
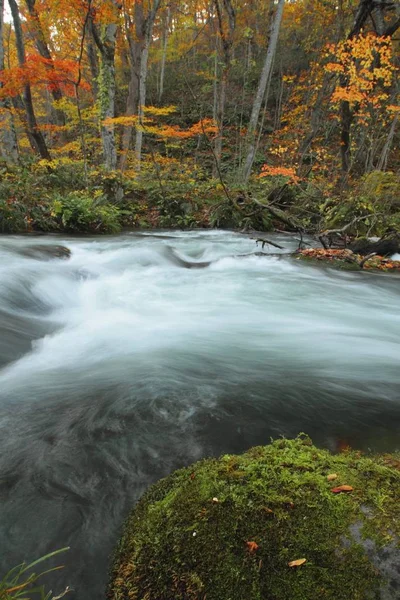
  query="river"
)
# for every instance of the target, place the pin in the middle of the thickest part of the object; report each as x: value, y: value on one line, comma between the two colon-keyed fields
x: 120, y: 365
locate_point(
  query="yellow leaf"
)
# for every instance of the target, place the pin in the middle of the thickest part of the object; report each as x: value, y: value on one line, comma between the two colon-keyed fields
x: 297, y: 563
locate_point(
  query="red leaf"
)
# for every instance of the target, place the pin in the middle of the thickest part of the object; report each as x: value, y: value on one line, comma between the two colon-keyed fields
x: 252, y: 547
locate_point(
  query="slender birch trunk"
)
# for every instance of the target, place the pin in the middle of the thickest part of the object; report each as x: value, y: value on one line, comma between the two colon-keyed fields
x: 226, y: 37
x: 388, y: 144
x: 164, y: 54
x: 260, y: 94
x: 136, y: 43
x: 143, y: 81
x: 215, y: 84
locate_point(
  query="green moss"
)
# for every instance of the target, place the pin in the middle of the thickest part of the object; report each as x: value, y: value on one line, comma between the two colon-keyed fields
x: 187, y: 537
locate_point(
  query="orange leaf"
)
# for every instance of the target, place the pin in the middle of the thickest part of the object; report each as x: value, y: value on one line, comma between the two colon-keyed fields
x: 268, y: 510
x: 342, y: 488
x: 297, y: 563
x: 332, y: 477
x: 252, y: 547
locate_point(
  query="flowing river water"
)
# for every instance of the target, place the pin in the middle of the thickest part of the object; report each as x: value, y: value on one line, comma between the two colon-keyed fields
x: 120, y: 365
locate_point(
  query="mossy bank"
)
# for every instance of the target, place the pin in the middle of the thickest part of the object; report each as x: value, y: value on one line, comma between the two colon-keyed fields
x: 228, y: 529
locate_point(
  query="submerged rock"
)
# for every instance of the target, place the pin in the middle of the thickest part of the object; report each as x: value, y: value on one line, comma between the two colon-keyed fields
x: 282, y: 522
x: 172, y: 255
x: 45, y: 252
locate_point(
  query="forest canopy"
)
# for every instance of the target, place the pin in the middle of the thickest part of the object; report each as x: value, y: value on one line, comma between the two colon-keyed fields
x: 164, y: 101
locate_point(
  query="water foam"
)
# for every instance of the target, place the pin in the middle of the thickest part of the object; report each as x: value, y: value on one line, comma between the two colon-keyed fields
x: 123, y: 363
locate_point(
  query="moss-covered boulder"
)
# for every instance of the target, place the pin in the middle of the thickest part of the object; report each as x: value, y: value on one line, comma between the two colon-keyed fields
x: 282, y: 522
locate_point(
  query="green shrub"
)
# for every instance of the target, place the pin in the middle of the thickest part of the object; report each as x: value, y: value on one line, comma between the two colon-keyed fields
x: 382, y: 190
x: 78, y: 212
x: 58, y: 174
x: 13, y: 216
x: 374, y: 202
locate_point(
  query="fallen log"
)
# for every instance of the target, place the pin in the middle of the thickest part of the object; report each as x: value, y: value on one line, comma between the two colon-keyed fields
x: 280, y: 215
x: 384, y: 247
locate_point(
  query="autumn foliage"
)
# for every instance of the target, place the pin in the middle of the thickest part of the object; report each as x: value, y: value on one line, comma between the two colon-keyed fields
x: 160, y: 93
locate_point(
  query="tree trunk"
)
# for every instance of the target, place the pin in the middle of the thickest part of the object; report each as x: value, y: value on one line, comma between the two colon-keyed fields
x: 220, y: 119
x: 379, y: 19
x: 215, y: 84
x: 106, y: 45
x: 164, y: 54
x: 346, y: 119
x: 35, y: 135
x: 40, y: 42
x: 93, y: 64
x: 226, y: 43
x: 143, y: 81
x: 262, y: 86
x: 8, y: 138
x: 136, y: 43
x: 141, y: 103
x: 388, y: 143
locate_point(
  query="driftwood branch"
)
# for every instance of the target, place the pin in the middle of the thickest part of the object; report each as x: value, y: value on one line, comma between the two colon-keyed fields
x: 323, y: 243
x: 264, y: 241
x: 366, y: 258
x: 344, y: 228
x: 353, y: 259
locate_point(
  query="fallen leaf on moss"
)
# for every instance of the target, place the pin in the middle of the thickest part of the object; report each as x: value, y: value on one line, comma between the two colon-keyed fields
x: 392, y: 462
x: 268, y: 510
x: 332, y: 477
x: 252, y: 547
x: 297, y: 563
x: 341, y: 488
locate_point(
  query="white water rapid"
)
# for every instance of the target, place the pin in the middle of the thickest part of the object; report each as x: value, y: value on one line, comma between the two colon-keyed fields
x: 120, y: 364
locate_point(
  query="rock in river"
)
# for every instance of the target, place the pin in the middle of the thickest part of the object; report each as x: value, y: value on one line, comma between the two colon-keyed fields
x: 284, y: 521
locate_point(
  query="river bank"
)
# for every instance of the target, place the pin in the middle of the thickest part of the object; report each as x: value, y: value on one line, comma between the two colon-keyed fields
x: 58, y: 197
